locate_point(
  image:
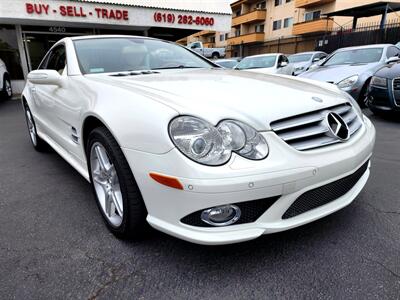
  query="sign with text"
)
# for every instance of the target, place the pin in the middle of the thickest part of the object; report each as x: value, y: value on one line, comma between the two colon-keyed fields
x: 76, y: 11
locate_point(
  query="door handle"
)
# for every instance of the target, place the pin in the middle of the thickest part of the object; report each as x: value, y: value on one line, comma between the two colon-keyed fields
x: 33, y: 89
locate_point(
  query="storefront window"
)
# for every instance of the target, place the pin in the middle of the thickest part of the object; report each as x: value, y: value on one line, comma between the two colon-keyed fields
x: 9, y: 51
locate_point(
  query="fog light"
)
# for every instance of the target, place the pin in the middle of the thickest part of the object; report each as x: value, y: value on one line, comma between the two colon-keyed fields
x: 221, y: 215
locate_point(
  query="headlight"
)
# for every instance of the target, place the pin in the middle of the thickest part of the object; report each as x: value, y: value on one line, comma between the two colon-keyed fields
x: 379, y: 82
x: 210, y: 145
x: 348, y: 83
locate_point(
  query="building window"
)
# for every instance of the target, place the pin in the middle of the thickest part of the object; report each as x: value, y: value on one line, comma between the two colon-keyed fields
x: 226, y: 36
x: 278, y: 2
x: 212, y: 39
x: 288, y: 22
x: 259, y: 28
x: 222, y: 37
x: 261, y: 5
x: 277, y: 25
x: 237, y: 13
x: 237, y: 32
x: 312, y: 15
x: 9, y: 52
x: 287, y: 1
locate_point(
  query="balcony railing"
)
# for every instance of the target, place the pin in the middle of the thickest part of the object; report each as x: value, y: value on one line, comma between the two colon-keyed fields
x: 314, y: 26
x: 204, y: 33
x: 251, y: 17
x: 247, y: 38
x: 311, y: 3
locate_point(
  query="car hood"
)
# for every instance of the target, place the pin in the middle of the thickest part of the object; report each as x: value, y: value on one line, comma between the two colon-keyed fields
x: 389, y: 71
x: 214, y: 95
x: 335, y: 74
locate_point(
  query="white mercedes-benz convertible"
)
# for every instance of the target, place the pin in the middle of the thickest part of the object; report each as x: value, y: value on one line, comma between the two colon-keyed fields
x: 208, y: 155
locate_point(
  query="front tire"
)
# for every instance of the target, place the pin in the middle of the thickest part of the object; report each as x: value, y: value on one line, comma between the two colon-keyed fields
x: 7, y: 90
x: 117, y: 195
x: 37, y: 143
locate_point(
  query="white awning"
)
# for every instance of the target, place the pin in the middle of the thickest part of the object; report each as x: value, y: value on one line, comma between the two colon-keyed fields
x: 208, y: 6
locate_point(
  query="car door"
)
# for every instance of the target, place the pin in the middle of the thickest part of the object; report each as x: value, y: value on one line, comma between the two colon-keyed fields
x: 44, y: 95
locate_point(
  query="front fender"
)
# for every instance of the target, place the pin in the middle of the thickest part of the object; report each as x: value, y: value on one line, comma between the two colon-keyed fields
x: 136, y: 122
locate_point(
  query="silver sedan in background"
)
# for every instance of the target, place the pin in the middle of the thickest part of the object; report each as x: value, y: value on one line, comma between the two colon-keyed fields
x: 304, y: 60
x: 228, y: 63
x: 351, y: 69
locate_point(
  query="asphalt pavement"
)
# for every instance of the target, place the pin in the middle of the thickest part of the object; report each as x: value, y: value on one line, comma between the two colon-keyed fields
x: 54, y: 244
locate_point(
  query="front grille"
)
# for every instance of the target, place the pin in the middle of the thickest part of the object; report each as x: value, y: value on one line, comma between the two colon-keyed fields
x: 250, y: 212
x: 310, y: 130
x: 324, y: 194
x: 396, y: 91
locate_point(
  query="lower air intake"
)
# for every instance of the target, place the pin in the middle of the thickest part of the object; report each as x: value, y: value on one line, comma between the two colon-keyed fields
x: 324, y: 194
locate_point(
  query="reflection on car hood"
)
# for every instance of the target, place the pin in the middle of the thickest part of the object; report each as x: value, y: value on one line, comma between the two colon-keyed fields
x: 389, y: 71
x: 256, y: 99
x: 337, y: 73
x: 271, y: 70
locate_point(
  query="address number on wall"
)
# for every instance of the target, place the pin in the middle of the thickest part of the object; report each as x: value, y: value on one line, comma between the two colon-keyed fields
x: 57, y: 29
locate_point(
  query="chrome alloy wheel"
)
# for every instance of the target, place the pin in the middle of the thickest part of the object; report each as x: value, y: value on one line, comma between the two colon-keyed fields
x: 31, y: 127
x: 8, y: 88
x: 106, y: 184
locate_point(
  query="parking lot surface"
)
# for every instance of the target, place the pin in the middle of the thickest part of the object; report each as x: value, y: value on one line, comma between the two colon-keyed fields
x: 54, y: 245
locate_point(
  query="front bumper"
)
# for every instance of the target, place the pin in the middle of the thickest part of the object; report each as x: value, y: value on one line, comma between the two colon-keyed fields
x: 383, y: 99
x: 286, y: 174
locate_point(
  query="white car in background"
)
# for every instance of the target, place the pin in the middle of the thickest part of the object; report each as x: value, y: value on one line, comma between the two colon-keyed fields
x: 263, y: 154
x: 273, y: 63
x: 304, y: 60
x: 5, y: 82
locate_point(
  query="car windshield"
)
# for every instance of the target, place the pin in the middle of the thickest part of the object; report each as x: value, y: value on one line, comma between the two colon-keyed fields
x: 299, y: 58
x: 356, y: 56
x: 257, y: 62
x: 121, y: 54
x: 229, y: 64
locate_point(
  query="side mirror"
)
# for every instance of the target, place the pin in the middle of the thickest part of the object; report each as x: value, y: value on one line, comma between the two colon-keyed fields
x: 283, y: 64
x: 393, y: 59
x: 316, y: 59
x: 47, y: 77
x: 313, y: 67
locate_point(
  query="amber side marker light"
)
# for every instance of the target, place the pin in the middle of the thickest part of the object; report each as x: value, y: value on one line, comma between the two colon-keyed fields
x: 167, y: 180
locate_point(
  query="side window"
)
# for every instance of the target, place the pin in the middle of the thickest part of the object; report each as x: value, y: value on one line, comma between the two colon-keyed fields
x: 57, y: 59
x: 43, y: 64
x: 392, y: 51
x: 195, y: 45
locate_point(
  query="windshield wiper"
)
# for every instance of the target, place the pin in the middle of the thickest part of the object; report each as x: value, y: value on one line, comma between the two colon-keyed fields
x: 177, y: 67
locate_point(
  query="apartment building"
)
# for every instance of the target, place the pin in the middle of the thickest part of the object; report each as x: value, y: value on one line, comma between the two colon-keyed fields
x: 315, y: 14
x: 255, y: 21
x: 288, y: 25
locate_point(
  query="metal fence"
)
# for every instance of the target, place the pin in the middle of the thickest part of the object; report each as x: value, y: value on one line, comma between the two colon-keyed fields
x: 339, y: 37
x: 370, y: 33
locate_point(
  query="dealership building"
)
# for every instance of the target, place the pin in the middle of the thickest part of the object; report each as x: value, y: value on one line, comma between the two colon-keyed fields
x: 28, y: 28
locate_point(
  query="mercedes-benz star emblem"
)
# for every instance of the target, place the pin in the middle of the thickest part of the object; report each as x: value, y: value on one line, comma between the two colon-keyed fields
x: 337, y: 126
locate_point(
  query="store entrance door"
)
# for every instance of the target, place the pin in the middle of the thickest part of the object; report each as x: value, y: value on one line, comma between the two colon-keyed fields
x: 38, y: 41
